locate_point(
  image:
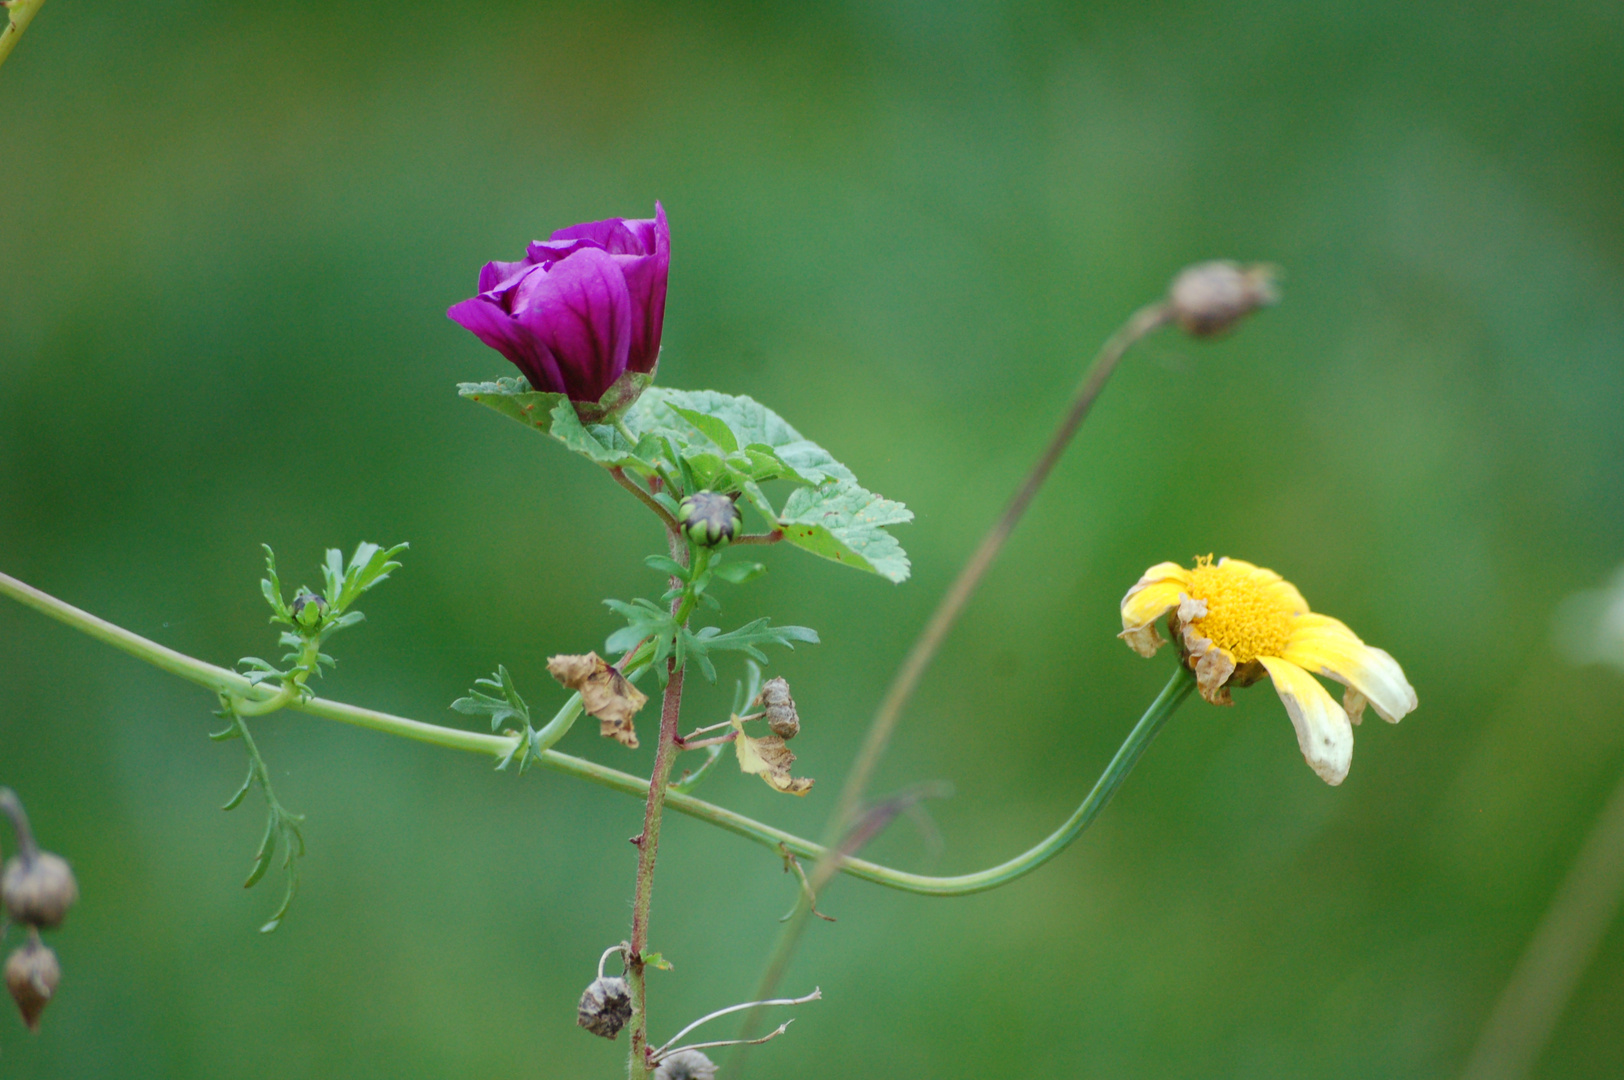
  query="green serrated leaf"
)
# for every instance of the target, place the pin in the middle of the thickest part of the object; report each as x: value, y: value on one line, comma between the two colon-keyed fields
x: 655, y: 960
x: 747, y: 421
x: 846, y: 523
x: 737, y: 573
x: 711, y: 426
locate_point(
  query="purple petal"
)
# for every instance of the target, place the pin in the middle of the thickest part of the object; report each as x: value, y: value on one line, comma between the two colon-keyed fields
x: 486, y: 320
x: 498, y: 276
x: 580, y: 310
x: 617, y: 236
x: 547, y: 252
x: 645, y: 282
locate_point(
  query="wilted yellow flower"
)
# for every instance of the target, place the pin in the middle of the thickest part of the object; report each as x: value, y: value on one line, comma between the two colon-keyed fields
x: 1234, y: 622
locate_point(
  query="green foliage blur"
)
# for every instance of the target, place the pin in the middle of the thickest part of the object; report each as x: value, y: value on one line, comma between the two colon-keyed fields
x: 229, y: 235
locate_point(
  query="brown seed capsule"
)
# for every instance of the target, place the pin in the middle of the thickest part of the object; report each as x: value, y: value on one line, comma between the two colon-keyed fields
x: 38, y: 890
x: 1208, y: 298
x: 686, y: 1065
x: 606, y: 1006
x: 32, y: 975
x: 780, y: 707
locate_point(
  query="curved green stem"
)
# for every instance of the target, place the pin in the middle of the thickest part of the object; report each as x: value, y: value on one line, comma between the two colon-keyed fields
x: 22, y: 13
x: 953, y: 602
x: 221, y: 680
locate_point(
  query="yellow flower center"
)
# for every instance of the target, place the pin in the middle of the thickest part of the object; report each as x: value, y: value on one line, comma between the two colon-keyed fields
x: 1245, y: 616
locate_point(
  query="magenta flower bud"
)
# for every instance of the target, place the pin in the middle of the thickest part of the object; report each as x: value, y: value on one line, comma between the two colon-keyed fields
x: 581, y: 309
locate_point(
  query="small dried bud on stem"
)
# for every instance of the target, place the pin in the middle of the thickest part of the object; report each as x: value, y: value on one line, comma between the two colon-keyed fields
x: 780, y: 708
x: 606, y: 1004
x: 39, y: 891
x: 1209, y: 298
x: 32, y: 976
x: 37, y: 887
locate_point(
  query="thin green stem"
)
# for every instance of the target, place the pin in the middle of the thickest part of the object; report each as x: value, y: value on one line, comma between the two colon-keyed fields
x: 22, y: 12
x: 1564, y: 944
x: 1178, y: 687
x: 952, y: 604
x: 497, y: 747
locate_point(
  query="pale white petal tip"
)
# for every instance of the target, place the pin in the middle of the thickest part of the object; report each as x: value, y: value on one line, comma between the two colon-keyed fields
x: 1323, y: 732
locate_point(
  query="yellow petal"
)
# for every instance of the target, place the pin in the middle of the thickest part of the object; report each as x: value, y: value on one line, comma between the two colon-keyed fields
x: 1323, y: 731
x: 1289, y: 597
x: 1144, y: 604
x: 1161, y: 574
x: 1329, y: 648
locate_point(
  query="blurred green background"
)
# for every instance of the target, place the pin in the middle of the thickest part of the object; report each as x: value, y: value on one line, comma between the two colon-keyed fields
x: 231, y: 231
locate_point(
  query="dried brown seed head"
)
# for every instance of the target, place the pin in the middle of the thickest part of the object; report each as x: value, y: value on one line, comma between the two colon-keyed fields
x: 1209, y: 298
x: 686, y: 1065
x: 32, y: 976
x: 780, y: 707
x: 38, y: 890
x: 606, y: 1006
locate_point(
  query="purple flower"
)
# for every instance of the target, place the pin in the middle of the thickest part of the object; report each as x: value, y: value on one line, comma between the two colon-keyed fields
x: 581, y: 309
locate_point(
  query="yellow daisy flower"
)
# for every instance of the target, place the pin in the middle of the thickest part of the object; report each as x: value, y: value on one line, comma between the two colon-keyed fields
x: 1235, y: 622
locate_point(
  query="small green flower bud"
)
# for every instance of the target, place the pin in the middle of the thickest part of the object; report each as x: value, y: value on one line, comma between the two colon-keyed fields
x: 38, y: 890
x: 32, y: 975
x: 308, y: 610
x: 686, y: 1065
x: 710, y: 519
x: 606, y: 1006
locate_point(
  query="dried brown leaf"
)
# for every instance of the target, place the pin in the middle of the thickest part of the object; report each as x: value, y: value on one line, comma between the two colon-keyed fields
x: 605, y: 693
x: 768, y: 758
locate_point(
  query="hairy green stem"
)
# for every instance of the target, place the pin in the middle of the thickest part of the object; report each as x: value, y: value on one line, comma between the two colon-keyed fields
x: 648, y: 841
x: 21, y: 13
x: 648, y: 845
x: 220, y: 679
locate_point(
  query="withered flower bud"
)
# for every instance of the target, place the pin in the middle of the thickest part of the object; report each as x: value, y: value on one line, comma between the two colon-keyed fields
x: 38, y: 889
x: 780, y: 707
x: 308, y: 610
x: 32, y: 975
x: 606, y: 1006
x: 686, y: 1065
x: 710, y: 519
x: 1208, y: 298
